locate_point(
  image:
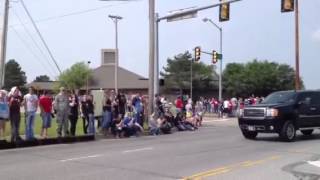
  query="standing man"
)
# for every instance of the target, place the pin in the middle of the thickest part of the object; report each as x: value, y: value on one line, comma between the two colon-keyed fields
x: 45, y: 104
x: 30, y: 102
x: 15, y: 100
x: 61, y: 105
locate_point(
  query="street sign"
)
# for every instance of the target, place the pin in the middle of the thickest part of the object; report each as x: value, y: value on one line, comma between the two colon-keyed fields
x: 180, y: 16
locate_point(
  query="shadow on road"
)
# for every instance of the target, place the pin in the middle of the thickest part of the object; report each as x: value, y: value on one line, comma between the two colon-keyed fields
x: 275, y: 138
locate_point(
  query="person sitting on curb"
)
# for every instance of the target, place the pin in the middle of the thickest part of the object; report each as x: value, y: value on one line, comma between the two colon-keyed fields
x: 154, y: 125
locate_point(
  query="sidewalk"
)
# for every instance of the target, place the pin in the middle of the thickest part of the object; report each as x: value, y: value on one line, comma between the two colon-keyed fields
x: 214, y: 119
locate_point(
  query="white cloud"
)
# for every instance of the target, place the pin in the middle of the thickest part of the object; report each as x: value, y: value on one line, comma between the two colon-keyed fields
x: 316, y: 35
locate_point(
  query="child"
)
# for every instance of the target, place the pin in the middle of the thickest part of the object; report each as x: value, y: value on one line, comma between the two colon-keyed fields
x: 4, y: 113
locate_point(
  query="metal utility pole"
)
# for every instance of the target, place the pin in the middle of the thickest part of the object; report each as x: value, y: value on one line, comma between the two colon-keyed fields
x: 220, y: 75
x: 297, y: 78
x: 4, y: 43
x: 151, y: 55
x: 116, y: 19
x: 156, y: 60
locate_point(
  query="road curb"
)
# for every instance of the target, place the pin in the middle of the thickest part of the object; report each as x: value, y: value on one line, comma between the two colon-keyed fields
x: 43, y: 142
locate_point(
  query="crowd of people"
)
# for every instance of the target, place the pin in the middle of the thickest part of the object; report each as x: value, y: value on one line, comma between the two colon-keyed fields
x: 182, y: 115
x: 122, y: 115
x: 229, y: 107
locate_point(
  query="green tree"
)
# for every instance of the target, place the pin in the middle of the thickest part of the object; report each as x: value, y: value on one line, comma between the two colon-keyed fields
x: 76, y: 76
x: 177, y: 74
x: 42, y: 78
x: 14, y: 76
x: 257, y: 77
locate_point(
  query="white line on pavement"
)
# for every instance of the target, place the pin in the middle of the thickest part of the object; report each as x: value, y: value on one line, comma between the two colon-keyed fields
x: 218, y: 120
x: 138, y: 150
x: 80, y: 158
x: 315, y: 163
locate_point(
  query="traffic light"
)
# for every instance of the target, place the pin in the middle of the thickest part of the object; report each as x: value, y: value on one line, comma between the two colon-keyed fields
x: 214, y: 57
x: 287, y: 5
x: 197, y: 53
x: 224, y: 11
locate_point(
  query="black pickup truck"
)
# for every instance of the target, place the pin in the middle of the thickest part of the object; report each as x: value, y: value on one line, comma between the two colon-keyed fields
x: 282, y: 112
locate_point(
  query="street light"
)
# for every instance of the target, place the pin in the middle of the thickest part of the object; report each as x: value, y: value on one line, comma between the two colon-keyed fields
x: 151, y: 52
x: 88, y: 63
x: 116, y: 19
x: 220, y: 75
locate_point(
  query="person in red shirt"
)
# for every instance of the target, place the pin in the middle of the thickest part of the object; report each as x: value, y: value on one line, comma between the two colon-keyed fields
x: 179, y: 104
x: 46, y: 109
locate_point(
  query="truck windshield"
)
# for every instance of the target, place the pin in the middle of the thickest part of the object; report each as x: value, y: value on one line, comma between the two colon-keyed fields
x: 280, y: 97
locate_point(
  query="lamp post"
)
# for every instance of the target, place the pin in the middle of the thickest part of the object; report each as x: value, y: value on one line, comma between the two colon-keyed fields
x: 220, y: 75
x: 116, y: 19
x: 88, y: 63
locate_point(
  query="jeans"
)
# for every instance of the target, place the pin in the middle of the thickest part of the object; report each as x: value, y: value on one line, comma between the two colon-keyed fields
x: 73, y: 122
x: 15, y: 125
x: 91, y: 128
x: 30, y: 116
x: 138, y: 116
x: 107, y: 117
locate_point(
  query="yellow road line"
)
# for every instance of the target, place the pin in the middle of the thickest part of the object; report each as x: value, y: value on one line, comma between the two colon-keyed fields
x: 206, y: 172
x: 226, y: 169
x: 213, y: 174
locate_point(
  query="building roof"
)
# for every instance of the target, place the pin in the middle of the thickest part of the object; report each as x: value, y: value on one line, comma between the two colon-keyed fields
x: 48, y: 85
x: 103, y: 77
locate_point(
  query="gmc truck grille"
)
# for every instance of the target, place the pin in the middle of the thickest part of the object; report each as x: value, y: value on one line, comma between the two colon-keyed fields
x: 254, y: 112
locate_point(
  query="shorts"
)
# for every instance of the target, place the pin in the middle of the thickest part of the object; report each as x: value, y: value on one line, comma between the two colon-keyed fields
x: 46, y: 120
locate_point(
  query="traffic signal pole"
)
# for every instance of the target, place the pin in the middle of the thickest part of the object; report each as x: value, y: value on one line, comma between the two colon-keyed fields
x: 297, y: 76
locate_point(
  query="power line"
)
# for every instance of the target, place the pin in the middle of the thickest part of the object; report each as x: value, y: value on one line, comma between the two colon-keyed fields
x: 40, y: 35
x: 30, y: 50
x: 33, y: 40
x: 75, y: 13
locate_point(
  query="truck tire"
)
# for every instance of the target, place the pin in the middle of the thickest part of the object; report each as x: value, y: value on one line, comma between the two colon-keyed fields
x: 307, y: 132
x: 288, y: 132
x: 249, y: 134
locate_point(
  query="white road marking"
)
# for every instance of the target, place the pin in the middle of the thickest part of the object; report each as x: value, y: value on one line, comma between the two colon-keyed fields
x: 138, y: 150
x: 218, y: 120
x: 315, y: 163
x: 80, y: 158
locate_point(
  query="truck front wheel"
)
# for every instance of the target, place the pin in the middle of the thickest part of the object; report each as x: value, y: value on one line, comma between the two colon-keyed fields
x: 288, y: 131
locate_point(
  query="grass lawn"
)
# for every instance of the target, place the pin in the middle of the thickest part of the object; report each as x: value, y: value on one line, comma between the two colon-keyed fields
x: 52, y: 132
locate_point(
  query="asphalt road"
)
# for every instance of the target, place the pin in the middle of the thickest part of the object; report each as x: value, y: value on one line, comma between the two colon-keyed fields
x: 216, y: 151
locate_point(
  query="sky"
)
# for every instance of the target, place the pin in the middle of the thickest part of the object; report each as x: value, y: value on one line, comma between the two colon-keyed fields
x: 77, y: 30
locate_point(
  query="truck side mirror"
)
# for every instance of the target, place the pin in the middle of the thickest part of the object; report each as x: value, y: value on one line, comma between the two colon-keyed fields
x: 306, y: 101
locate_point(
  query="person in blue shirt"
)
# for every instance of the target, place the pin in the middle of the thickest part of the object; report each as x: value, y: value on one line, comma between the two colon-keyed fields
x: 137, y: 104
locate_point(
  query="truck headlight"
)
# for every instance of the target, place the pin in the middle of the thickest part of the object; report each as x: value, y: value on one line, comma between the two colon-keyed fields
x: 271, y: 112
